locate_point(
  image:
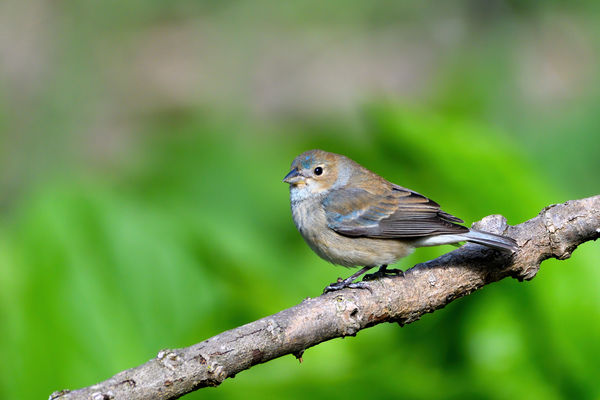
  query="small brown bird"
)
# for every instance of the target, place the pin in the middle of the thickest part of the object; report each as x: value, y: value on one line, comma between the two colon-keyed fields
x: 353, y: 217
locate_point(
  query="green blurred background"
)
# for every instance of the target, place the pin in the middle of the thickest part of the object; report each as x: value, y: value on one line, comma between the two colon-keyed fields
x: 142, y: 147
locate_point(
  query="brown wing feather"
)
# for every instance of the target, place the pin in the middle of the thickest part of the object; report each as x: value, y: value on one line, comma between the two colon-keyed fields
x: 400, y: 213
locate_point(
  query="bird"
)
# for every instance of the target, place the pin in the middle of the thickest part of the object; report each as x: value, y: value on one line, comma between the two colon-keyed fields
x: 353, y: 217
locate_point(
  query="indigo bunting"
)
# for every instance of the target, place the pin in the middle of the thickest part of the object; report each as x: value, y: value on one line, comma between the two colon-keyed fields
x: 351, y: 216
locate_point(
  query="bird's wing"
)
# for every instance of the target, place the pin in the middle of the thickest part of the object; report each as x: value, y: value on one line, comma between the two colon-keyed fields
x: 399, y: 213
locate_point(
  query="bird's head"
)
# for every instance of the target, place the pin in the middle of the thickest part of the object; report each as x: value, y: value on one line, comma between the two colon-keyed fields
x: 314, y: 171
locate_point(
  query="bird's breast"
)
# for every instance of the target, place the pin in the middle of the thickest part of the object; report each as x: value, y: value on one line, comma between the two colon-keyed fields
x: 309, y: 217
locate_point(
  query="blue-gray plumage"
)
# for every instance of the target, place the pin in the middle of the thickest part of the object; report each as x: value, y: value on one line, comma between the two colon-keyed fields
x: 353, y: 217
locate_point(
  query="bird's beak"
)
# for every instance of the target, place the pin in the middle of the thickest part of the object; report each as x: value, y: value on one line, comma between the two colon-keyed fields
x: 292, y: 177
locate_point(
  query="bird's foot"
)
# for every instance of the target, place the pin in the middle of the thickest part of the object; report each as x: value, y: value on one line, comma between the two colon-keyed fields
x: 345, y: 283
x: 383, y: 272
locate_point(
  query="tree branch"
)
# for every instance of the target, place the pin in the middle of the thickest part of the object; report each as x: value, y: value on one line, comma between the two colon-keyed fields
x: 555, y: 232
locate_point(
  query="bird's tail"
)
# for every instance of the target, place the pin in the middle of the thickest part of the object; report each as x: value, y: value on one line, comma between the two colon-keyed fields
x: 475, y: 236
x: 491, y: 240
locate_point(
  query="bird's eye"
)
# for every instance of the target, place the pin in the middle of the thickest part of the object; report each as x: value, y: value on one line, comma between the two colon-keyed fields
x: 318, y: 171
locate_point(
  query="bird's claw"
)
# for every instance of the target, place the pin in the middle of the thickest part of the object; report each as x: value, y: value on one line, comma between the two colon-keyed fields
x: 344, y: 283
x: 383, y: 273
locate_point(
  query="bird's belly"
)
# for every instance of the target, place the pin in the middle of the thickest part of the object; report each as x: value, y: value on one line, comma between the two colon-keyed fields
x: 343, y: 250
x: 352, y: 252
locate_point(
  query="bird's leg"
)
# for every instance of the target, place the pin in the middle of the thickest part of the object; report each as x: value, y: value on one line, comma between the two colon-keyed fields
x: 347, y: 283
x: 382, y: 272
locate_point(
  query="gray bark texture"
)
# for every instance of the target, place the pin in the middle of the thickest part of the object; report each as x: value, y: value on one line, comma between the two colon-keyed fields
x: 555, y: 232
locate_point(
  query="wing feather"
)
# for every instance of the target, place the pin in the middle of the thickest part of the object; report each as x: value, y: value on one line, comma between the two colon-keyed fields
x: 399, y: 213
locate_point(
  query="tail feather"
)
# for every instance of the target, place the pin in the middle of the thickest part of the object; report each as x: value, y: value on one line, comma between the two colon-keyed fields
x: 484, y: 238
x: 491, y: 240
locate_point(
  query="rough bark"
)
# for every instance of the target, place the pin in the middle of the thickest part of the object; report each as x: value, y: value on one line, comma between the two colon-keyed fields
x: 555, y: 232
